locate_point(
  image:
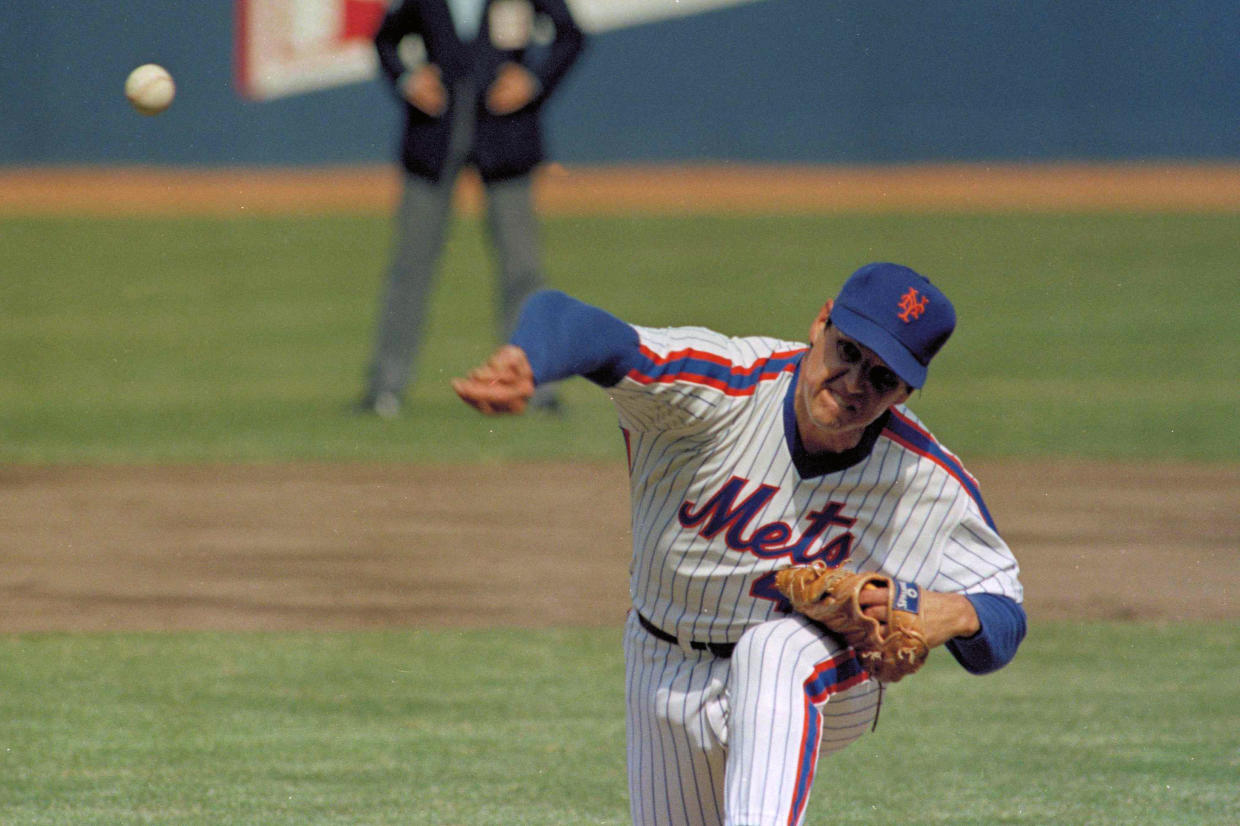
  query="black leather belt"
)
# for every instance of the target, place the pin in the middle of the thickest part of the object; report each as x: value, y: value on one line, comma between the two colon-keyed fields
x: 719, y: 649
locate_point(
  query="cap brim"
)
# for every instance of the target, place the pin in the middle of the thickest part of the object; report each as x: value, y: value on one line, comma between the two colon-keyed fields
x: 859, y: 328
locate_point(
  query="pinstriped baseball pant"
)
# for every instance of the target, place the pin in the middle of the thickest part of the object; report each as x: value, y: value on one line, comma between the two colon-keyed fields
x: 735, y: 742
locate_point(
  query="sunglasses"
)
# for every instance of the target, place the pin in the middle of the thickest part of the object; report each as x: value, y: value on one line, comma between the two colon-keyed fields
x: 881, y: 378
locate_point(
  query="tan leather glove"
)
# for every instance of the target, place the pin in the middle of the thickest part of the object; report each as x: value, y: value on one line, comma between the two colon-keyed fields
x: 888, y: 651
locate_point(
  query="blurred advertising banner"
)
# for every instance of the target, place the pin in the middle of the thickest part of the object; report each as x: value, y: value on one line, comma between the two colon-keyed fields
x: 289, y: 47
x: 601, y: 15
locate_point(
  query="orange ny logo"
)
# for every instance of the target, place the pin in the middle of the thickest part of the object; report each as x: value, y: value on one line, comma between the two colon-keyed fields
x: 912, y: 305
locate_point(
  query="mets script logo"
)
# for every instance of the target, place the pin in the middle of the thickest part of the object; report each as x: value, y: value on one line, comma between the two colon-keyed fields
x: 722, y: 513
x: 912, y: 305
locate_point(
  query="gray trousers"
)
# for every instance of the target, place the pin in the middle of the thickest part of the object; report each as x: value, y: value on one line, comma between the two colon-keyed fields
x: 421, y: 226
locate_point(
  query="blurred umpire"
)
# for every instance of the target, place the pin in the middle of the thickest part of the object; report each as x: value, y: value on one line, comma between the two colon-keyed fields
x: 472, y: 97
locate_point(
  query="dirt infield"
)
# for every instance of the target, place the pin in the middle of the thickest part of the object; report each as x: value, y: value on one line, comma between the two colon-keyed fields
x: 309, y: 546
x: 646, y: 189
x: 327, y: 547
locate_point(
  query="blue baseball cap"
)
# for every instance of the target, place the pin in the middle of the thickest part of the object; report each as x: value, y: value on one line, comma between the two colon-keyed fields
x: 898, y: 314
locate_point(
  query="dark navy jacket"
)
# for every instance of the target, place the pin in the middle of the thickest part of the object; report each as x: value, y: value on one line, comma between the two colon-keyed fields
x: 504, y: 146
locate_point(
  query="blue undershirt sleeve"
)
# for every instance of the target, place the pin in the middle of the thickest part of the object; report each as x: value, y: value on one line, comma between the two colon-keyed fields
x: 564, y: 337
x: 1003, y: 627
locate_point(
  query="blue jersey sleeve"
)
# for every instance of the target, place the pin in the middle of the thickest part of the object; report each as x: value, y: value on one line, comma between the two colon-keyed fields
x: 1003, y: 628
x: 564, y: 337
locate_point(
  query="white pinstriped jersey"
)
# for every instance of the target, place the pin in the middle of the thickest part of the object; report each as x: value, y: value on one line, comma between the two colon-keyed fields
x: 719, y: 502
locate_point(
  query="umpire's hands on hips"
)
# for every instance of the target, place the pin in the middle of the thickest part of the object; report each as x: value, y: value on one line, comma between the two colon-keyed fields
x: 514, y: 87
x: 425, y: 90
x: 503, y: 384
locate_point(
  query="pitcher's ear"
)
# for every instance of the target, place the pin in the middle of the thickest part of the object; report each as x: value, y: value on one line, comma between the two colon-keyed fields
x: 815, y: 328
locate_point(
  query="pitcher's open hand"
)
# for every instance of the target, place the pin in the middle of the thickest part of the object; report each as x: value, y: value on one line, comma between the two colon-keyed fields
x: 503, y: 384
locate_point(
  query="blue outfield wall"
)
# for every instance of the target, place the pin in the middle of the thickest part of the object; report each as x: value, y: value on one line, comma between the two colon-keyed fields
x: 804, y: 81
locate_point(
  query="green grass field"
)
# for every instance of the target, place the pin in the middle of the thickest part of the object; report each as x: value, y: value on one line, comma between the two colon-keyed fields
x: 179, y: 340
x: 1109, y: 723
x: 223, y: 340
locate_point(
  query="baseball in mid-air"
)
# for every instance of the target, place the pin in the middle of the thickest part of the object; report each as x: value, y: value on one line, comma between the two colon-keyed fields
x: 150, y: 88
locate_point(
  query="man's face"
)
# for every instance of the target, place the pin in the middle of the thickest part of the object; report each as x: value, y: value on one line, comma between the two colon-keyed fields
x: 843, y: 388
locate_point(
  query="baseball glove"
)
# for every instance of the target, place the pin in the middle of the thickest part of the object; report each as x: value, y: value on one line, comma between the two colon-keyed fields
x: 890, y: 651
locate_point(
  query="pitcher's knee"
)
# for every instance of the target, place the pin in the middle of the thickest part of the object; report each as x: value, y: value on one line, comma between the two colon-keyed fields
x: 788, y: 646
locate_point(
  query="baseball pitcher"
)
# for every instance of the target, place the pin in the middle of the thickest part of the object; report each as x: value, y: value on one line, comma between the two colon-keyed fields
x: 800, y: 538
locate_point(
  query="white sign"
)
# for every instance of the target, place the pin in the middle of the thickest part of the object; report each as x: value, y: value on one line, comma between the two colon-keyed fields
x: 289, y: 47
x: 601, y: 15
